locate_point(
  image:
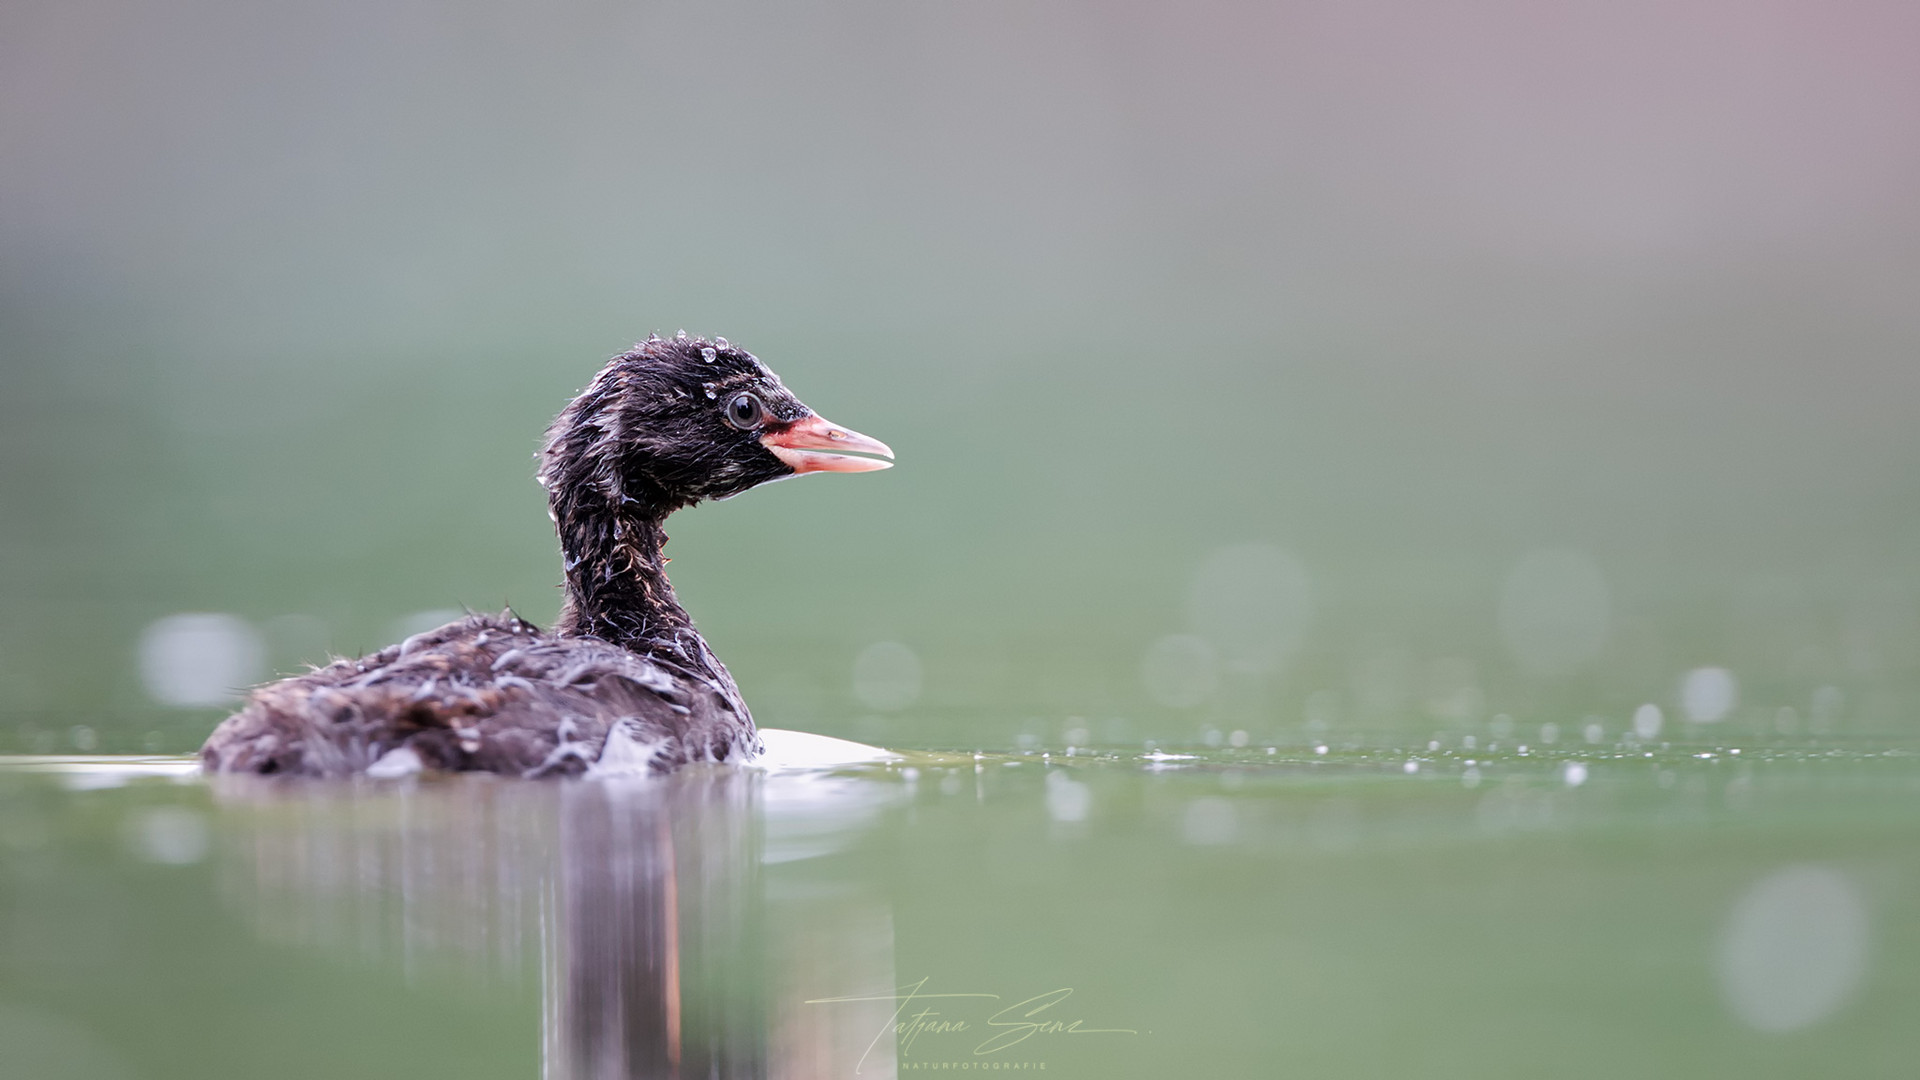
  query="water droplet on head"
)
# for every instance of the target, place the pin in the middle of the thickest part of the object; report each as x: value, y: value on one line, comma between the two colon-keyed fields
x: 709, y: 355
x: 720, y: 341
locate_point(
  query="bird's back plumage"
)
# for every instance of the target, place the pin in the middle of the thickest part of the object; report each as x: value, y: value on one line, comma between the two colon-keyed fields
x: 490, y: 693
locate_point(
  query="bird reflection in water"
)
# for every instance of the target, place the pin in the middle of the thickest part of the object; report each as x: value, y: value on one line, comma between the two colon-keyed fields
x: 643, y: 903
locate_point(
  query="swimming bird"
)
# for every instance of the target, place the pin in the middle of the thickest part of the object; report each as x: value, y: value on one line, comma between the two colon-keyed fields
x: 623, y: 683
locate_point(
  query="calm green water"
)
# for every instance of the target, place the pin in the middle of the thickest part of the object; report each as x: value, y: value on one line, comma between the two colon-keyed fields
x: 1607, y: 912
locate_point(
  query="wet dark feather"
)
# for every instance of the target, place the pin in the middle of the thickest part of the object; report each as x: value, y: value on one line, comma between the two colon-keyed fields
x: 488, y: 693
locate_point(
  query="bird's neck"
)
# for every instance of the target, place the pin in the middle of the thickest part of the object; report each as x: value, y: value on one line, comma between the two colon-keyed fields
x: 617, y: 587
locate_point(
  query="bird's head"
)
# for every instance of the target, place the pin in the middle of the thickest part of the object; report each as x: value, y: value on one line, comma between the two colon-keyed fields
x: 678, y: 420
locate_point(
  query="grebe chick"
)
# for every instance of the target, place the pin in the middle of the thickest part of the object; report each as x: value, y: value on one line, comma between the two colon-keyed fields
x: 623, y: 683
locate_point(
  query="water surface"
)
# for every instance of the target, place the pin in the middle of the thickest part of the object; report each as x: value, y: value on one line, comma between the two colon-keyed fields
x: 1618, y: 910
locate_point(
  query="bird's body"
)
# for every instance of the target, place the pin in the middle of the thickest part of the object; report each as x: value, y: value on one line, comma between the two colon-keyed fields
x: 488, y: 693
x: 624, y: 683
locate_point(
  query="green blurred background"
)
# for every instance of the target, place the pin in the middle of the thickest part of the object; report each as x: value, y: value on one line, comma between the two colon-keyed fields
x: 1258, y: 373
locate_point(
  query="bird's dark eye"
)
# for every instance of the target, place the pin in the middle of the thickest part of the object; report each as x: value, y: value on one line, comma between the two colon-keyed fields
x: 745, y: 412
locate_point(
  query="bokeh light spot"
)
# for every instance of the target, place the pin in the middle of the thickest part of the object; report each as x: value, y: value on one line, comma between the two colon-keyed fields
x: 1180, y: 671
x: 199, y: 659
x: 1794, y: 948
x: 1708, y: 694
x: 1253, y: 603
x: 1647, y: 722
x: 1554, y: 611
x: 887, y: 676
x: 422, y: 621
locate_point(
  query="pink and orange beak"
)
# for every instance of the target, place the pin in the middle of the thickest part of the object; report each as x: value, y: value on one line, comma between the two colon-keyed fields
x: 800, y: 443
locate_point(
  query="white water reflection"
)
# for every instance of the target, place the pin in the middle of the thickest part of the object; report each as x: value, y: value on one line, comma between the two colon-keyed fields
x: 1068, y: 800
x: 170, y: 836
x: 1210, y: 822
x: 199, y: 659
x: 1794, y: 948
